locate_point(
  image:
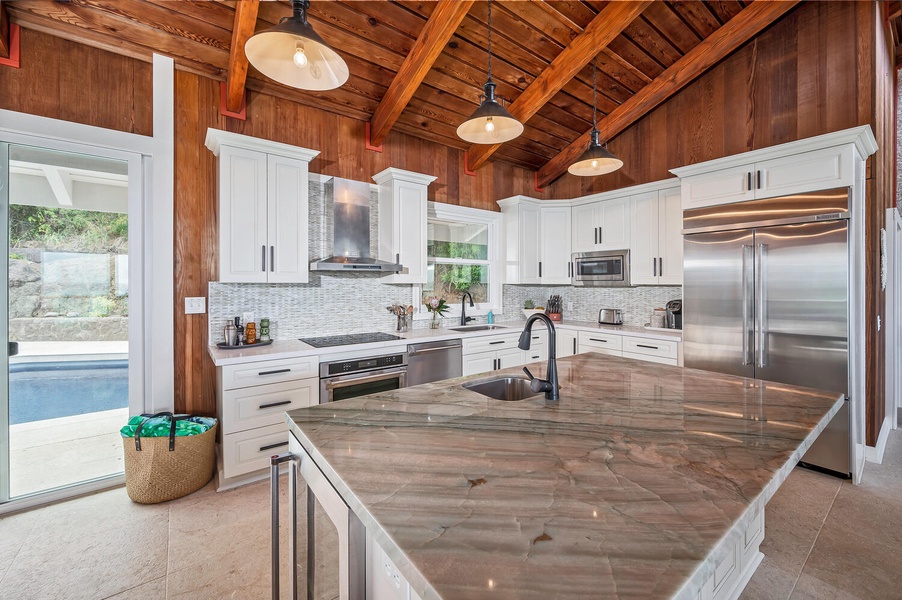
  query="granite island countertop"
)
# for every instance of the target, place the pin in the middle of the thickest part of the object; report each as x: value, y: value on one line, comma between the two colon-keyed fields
x: 625, y: 488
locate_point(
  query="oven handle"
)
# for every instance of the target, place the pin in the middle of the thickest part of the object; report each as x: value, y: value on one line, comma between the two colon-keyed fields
x: 331, y: 385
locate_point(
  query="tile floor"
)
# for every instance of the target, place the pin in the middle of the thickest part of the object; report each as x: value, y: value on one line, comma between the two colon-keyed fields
x: 826, y: 540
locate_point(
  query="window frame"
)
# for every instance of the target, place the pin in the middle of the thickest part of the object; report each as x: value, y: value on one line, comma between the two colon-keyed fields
x: 440, y: 211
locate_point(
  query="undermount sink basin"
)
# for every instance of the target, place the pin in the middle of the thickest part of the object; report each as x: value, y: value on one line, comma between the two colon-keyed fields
x: 477, y: 327
x: 503, y: 388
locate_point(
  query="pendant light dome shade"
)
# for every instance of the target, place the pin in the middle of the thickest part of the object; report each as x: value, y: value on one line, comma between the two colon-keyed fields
x: 490, y: 123
x: 293, y: 54
x: 596, y: 160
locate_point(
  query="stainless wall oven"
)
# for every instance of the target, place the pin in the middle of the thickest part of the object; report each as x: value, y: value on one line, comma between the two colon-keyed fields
x: 602, y: 269
x: 343, y: 379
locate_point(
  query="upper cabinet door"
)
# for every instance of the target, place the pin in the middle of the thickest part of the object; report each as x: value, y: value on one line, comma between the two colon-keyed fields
x: 287, y: 260
x: 614, y: 226
x: 725, y: 186
x: 585, y: 227
x: 556, y: 245
x: 670, y: 237
x: 644, y: 253
x: 243, y: 248
x: 806, y: 172
x: 530, y: 242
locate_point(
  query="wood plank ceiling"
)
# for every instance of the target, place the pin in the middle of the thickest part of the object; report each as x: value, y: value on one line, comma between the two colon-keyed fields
x: 636, y: 49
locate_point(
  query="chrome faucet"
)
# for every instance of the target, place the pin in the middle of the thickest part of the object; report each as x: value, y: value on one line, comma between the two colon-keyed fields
x: 550, y: 385
x: 463, y: 310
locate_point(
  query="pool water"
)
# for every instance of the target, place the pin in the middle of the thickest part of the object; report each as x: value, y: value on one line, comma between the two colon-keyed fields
x: 49, y: 390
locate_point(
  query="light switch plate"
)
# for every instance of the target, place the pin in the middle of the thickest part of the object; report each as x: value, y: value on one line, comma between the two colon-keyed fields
x: 195, y: 306
x: 569, y: 307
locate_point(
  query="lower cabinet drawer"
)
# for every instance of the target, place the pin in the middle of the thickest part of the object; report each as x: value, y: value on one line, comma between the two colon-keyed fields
x: 268, y: 371
x: 662, y: 348
x: 589, y: 340
x: 489, y: 343
x: 262, y: 405
x: 249, y: 451
x: 537, y: 351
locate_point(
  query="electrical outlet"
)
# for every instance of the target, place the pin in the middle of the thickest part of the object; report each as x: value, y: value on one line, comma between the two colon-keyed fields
x: 247, y: 317
x: 569, y: 307
x: 195, y: 306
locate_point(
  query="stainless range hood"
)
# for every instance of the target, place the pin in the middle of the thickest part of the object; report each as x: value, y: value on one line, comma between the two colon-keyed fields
x: 351, y: 231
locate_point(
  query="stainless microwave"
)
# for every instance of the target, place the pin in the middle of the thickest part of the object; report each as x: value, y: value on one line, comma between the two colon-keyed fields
x: 602, y: 269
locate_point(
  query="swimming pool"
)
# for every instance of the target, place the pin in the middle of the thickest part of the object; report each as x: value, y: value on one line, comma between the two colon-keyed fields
x: 48, y: 390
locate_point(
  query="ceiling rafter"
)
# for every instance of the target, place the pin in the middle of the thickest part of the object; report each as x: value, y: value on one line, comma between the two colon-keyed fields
x: 245, y: 21
x: 705, y: 55
x: 603, y: 29
x: 4, y: 31
x: 438, y: 30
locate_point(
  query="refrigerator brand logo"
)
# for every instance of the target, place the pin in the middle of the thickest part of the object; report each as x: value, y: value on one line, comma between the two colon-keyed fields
x: 828, y: 217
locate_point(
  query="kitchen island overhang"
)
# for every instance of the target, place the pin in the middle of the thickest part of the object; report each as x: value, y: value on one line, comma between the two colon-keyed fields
x: 633, y: 485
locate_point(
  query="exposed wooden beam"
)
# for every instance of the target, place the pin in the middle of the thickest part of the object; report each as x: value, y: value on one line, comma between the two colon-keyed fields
x: 437, y: 32
x: 4, y: 31
x: 735, y: 32
x: 606, y: 26
x: 245, y: 21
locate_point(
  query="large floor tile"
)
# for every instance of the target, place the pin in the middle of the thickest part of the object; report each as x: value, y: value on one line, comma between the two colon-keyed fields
x: 769, y: 582
x: 90, y: 547
x: 152, y: 590
x: 14, y: 531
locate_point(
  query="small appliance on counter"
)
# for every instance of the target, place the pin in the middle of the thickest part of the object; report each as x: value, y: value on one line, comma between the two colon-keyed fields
x: 610, y: 316
x: 674, y: 310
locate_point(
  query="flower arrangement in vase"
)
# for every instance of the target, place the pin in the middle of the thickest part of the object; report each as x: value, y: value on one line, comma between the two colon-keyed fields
x: 438, y: 307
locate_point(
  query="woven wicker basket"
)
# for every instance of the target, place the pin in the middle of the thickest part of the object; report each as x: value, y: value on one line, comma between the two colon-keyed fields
x: 156, y: 474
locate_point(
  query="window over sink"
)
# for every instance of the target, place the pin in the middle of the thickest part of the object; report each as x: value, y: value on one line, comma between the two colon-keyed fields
x: 463, y: 255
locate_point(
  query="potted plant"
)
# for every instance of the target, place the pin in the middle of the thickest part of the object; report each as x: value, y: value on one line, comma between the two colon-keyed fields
x: 438, y: 308
x: 529, y: 308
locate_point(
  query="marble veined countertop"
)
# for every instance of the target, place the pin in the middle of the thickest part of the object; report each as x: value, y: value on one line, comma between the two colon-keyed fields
x: 625, y: 488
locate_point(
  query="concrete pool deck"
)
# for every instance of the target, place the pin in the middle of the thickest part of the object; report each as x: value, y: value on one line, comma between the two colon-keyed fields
x: 52, y: 453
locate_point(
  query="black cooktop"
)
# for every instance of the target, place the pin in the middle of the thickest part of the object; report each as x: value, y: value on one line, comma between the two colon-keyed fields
x: 351, y: 338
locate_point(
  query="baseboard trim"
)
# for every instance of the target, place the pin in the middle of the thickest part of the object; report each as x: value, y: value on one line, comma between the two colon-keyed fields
x: 874, y: 454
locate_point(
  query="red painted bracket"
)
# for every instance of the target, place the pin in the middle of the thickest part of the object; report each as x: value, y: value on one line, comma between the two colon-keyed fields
x: 223, y: 110
x: 14, y: 58
x: 368, y: 144
x: 535, y: 182
x: 467, y: 170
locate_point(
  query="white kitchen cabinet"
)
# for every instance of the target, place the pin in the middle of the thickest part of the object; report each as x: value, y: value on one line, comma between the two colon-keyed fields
x: 656, y: 250
x: 537, y: 241
x: 768, y: 173
x: 491, y: 352
x: 566, y: 342
x: 403, y: 198
x: 601, y: 225
x: 599, y: 341
x: 252, y: 399
x: 263, y: 208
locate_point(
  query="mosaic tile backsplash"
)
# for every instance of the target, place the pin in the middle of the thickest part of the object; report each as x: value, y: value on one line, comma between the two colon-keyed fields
x: 333, y: 303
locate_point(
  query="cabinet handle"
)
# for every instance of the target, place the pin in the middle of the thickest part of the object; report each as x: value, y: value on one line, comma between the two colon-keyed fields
x: 535, y: 337
x: 601, y: 235
x: 263, y: 258
x: 540, y: 268
x: 271, y: 446
x: 749, y: 178
x: 574, y: 345
x: 596, y: 235
x: 661, y: 266
x: 758, y: 177
x: 654, y: 267
x: 277, y: 371
x: 597, y: 340
x: 493, y: 343
x: 649, y: 347
x: 272, y: 404
x: 272, y: 258
x: 569, y: 269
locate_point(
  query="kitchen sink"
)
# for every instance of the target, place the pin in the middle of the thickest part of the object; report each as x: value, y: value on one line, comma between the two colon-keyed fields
x: 503, y: 388
x: 477, y: 327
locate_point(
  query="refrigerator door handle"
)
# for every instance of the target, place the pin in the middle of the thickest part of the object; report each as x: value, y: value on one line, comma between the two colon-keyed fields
x: 761, y: 300
x: 746, y: 285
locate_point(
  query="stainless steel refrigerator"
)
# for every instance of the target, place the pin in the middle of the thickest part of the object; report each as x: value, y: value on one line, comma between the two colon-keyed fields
x: 766, y: 295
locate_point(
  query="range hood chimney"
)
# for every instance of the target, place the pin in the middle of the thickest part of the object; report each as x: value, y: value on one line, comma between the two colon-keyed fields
x: 350, y: 250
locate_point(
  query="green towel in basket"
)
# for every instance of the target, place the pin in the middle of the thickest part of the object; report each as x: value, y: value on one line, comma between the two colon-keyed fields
x: 159, y: 426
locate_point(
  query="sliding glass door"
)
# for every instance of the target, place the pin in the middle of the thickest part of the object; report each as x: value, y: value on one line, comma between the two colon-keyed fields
x: 65, y: 384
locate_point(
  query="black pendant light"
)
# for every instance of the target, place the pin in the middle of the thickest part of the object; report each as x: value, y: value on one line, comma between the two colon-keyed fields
x: 490, y: 123
x: 293, y: 54
x: 596, y: 160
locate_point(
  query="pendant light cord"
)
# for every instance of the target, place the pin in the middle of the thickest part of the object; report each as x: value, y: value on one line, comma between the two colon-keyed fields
x: 490, y: 40
x: 594, y: 93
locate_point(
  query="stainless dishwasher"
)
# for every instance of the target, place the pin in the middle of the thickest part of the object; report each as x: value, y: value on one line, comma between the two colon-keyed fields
x: 434, y: 361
